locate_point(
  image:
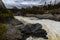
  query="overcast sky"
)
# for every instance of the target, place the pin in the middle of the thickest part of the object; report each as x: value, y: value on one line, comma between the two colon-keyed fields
x: 10, y: 3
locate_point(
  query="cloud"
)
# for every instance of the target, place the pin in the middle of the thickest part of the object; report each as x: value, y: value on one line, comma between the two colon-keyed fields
x: 12, y: 3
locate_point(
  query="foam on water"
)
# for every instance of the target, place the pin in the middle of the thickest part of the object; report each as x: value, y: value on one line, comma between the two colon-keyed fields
x: 52, y: 27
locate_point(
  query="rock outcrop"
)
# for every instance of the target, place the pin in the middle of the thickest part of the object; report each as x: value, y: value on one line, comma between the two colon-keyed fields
x: 34, y: 30
x: 20, y: 31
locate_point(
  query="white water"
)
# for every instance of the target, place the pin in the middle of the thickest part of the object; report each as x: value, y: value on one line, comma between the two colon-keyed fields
x: 52, y: 27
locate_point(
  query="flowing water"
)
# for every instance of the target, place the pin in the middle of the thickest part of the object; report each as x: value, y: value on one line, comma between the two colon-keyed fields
x: 52, y: 27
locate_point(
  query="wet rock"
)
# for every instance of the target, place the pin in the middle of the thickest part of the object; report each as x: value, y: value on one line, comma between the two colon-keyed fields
x: 13, y: 33
x: 31, y: 27
x: 34, y: 30
x: 40, y: 33
x: 15, y: 22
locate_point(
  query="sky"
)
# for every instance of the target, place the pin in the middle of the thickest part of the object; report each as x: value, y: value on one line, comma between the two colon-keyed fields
x: 25, y: 3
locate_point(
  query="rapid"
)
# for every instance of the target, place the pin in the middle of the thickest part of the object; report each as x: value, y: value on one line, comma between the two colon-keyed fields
x: 52, y: 27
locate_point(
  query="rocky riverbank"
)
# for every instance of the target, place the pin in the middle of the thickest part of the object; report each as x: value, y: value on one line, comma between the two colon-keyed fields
x: 32, y: 28
x: 55, y: 17
x: 18, y: 30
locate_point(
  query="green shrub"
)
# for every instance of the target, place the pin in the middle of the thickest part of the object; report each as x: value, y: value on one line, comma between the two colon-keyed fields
x: 5, y: 13
x: 3, y: 31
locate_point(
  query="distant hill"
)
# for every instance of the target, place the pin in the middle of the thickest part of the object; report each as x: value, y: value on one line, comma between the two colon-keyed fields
x: 2, y: 4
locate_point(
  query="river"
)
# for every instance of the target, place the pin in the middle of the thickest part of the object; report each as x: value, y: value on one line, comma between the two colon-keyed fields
x: 52, y: 27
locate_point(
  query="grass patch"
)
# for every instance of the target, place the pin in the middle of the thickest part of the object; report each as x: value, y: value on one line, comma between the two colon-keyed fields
x: 3, y: 31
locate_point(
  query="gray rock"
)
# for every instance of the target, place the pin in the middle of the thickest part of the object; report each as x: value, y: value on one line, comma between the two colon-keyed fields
x: 34, y: 30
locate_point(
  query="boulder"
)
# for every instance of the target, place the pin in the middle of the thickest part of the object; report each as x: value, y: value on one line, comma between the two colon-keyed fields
x: 34, y: 30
